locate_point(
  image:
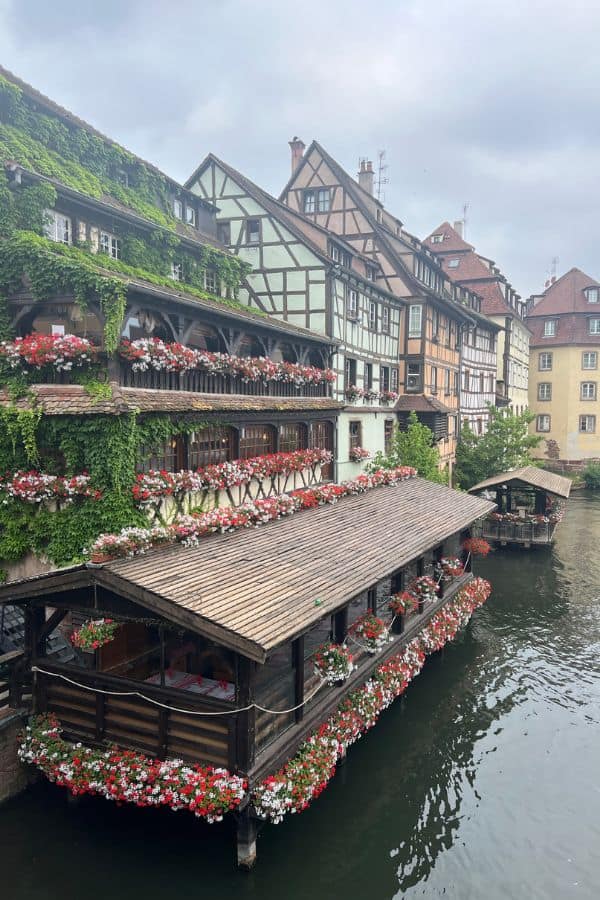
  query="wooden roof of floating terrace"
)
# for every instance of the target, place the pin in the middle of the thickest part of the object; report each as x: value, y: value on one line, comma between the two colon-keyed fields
x: 257, y: 589
x: 531, y: 476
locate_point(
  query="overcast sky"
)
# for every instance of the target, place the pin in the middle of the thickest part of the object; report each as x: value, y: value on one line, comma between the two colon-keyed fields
x: 490, y: 103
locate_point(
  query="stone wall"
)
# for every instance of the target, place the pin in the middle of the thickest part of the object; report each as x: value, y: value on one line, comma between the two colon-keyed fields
x: 14, y: 776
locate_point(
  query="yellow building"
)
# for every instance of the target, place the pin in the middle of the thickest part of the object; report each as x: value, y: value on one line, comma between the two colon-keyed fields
x: 563, y: 368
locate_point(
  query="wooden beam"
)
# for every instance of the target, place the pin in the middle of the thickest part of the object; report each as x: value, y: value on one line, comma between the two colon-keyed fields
x: 49, y: 626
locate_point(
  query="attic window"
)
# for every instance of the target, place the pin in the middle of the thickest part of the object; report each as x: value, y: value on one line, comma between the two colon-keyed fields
x: 110, y: 245
x: 178, y: 209
x: 176, y: 271
x: 190, y: 215
x: 591, y: 294
x: 453, y: 263
x: 253, y: 231
x: 437, y: 238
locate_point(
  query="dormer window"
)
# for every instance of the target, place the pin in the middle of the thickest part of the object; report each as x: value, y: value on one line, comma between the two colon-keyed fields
x: 550, y: 328
x: 317, y: 200
x: 178, y: 209
x: 591, y: 294
x: 341, y: 256
x: 437, y: 238
x: 371, y: 273
x: 110, y: 245
x: 453, y: 263
x: 176, y: 271
x: 211, y: 281
x: 190, y: 215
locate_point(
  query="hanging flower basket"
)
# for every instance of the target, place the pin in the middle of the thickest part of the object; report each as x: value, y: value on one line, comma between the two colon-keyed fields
x: 477, y: 546
x: 333, y: 663
x: 403, y: 603
x: 425, y: 589
x: 370, y: 631
x: 354, y: 393
x: 94, y: 634
x: 450, y: 567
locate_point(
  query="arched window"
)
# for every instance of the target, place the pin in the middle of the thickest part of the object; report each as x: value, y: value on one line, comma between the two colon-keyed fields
x: 250, y: 346
x: 203, y: 337
x: 256, y: 440
x: 62, y: 318
x: 209, y: 446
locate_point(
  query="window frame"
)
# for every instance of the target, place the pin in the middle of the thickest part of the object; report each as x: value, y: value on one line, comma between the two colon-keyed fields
x: 412, y: 329
x: 249, y: 230
x: 354, y: 434
x: 178, y: 208
x: 373, y: 315
x: 550, y: 327
x: 596, y: 328
x: 385, y: 319
x: 593, y: 353
x: 538, y: 422
x: 191, y: 216
x: 584, y: 417
x: 545, y: 354
x: 51, y: 227
x: 352, y: 308
x: 541, y: 385
x: 589, y: 388
x: 418, y: 375
x: 109, y: 244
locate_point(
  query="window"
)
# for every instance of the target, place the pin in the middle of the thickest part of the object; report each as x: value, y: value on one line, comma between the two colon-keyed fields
x: 385, y: 319
x: 594, y: 326
x: 292, y: 436
x: 384, y: 378
x: 588, y: 390
x: 253, y: 231
x: 57, y: 227
x: 340, y: 256
x: 379, y: 215
x: 168, y: 455
x: 435, y: 324
x: 456, y: 384
x: 190, y: 215
x: 388, y: 433
x: 256, y: 440
x: 437, y: 238
x: 110, y: 245
x: 591, y: 294
x: 453, y: 263
x: 542, y: 423
x: 224, y: 232
x: 178, y: 209
x: 211, y: 281
x: 368, y: 375
x: 549, y: 327
x: 349, y: 372
x: 352, y: 303
x: 545, y: 362
x: 587, y: 424
x: 545, y: 390
x: 413, y: 377
x: 371, y: 273
x: 434, y: 381
x: 355, y: 434
x: 394, y: 381
x: 415, y: 318
x: 323, y: 200
x: 372, y: 315
x: 447, y: 382
x: 466, y: 380
x: 589, y: 360
x: 209, y: 446
x: 309, y: 201
x: 176, y: 271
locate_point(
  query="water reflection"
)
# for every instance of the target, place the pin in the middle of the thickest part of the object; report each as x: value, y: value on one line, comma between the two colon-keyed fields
x: 481, y: 783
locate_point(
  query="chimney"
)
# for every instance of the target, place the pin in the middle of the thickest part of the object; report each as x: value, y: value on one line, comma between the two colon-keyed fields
x: 458, y: 227
x: 297, y: 147
x: 366, y: 176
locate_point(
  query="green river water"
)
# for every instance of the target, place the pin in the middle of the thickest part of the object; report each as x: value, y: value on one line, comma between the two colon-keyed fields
x: 482, y: 782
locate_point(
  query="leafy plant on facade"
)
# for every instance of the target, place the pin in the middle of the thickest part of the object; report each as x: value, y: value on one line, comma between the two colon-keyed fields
x: 506, y: 445
x: 413, y: 447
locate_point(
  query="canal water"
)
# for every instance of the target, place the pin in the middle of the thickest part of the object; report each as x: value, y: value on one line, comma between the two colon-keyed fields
x: 482, y: 782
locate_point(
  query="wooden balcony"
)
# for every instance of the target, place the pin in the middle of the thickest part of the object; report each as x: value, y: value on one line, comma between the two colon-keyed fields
x: 526, y: 533
x: 204, y: 383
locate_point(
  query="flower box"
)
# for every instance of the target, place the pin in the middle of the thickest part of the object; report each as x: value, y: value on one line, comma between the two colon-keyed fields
x: 370, y: 632
x: 333, y: 663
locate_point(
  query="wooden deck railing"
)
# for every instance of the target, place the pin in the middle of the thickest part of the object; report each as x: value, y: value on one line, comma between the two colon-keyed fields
x: 89, y: 715
x: 11, y: 695
x: 517, y: 533
x: 204, y: 383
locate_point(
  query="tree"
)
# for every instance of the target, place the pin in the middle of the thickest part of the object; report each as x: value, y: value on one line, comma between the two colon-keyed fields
x: 505, y: 445
x: 414, y: 447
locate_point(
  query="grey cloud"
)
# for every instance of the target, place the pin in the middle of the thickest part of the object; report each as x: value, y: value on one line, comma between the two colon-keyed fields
x: 492, y: 103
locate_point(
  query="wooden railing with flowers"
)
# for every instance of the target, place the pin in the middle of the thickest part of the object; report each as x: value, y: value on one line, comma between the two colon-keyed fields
x: 165, y: 495
x: 89, y: 715
x: 156, y: 364
x: 513, y: 528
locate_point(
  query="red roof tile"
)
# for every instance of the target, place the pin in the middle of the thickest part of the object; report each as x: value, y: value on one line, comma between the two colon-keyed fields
x: 452, y: 240
x: 421, y: 403
x: 570, y: 329
x: 566, y: 295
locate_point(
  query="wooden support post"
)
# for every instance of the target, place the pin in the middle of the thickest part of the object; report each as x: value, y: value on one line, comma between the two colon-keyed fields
x: 245, y: 722
x: 247, y: 832
x: 340, y: 626
x: 298, y: 661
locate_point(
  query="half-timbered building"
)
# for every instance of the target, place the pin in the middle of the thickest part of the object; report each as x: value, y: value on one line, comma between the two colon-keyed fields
x: 430, y: 336
x: 500, y: 304
x: 307, y: 275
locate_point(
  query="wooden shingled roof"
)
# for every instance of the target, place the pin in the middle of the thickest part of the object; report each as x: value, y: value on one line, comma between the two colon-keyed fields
x: 531, y: 475
x: 257, y: 589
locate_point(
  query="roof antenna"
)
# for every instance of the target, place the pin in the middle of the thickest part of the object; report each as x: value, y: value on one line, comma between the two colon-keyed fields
x: 465, y: 209
x: 552, y: 272
x: 382, y: 178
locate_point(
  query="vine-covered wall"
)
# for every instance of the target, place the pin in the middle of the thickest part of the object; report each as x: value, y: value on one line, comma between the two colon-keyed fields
x: 106, y: 447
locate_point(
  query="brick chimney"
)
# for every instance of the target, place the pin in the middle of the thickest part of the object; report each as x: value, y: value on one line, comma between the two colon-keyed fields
x: 458, y: 227
x: 297, y: 147
x: 366, y: 176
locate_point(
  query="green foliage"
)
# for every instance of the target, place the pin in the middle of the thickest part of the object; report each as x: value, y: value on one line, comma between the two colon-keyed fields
x: 591, y: 476
x: 506, y: 445
x: 414, y: 447
x: 107, y: 447
x: 20, y: 427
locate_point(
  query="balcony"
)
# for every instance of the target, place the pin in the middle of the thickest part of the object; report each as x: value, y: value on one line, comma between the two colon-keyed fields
x: 525, y: 533
x: 205, y: 383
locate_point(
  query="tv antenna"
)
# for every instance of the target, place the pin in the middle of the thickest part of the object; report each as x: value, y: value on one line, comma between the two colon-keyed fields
x: 382, y: 178
x: 465, y: 210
